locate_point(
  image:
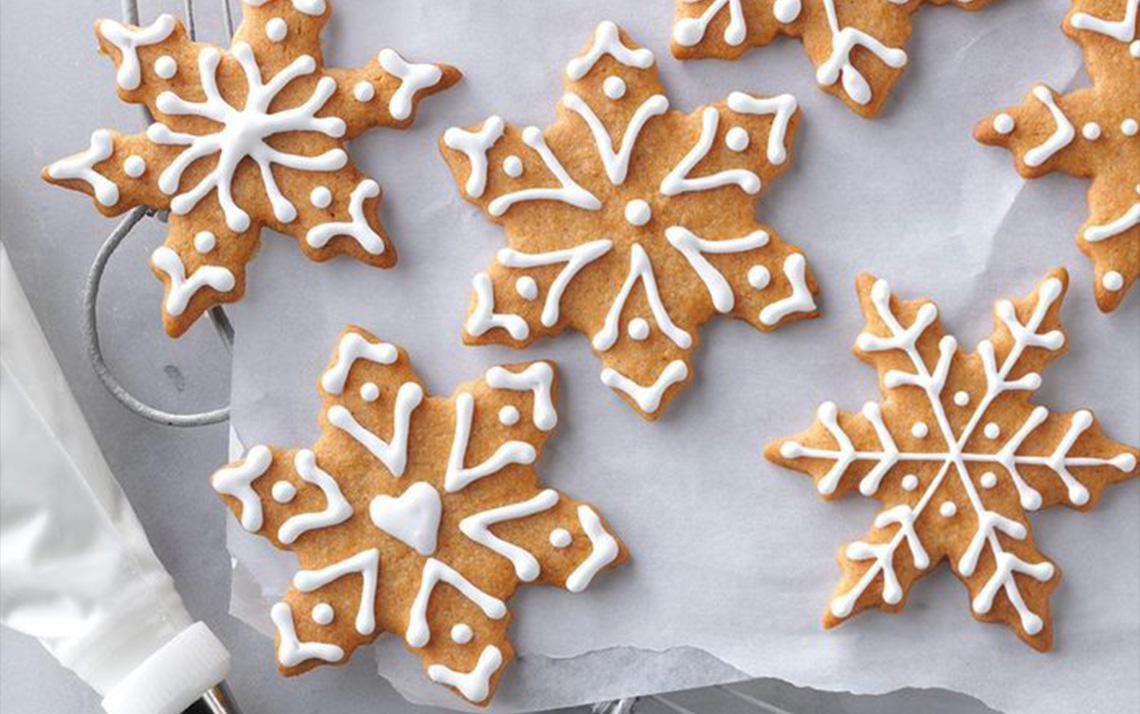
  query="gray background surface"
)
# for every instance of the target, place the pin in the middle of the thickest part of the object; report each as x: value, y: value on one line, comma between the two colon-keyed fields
x: 53, y: 82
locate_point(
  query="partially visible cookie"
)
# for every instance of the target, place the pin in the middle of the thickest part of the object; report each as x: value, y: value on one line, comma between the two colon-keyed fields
x: 417, y: 515
x: 243, y: 139
x: 855, y: 45
x: 631, y: 222
x: 959, y: 456
x: 1093, y: 133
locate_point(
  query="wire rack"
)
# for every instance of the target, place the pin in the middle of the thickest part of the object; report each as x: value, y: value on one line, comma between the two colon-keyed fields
x: 654, y: 704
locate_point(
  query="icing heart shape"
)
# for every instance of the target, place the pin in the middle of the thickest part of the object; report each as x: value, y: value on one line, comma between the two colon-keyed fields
x: 413, y: 517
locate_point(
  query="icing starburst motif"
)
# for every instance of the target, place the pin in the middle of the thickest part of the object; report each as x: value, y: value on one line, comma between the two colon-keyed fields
x: 630, y: 222
x: 1094, y: 133
x: 855, y: 45
x: 958, y: 455
x: 250, y: 137
x: 416, y: 515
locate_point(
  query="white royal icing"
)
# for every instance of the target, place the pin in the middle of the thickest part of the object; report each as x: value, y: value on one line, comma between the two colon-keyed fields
x: 320, y: 197
x: 786, y: 10
x: 838, y: 65
x: 283, y: 492
x: 128, y: 41
x: 459, y: 476
x: 677, y: 181
x: 1112, y: 281
x: 795, y: 270
x: 352, y: 347
x: 337, y: 510
x: 560, y: 538
x: 604, y: 550
x: 476, y: 684
x: 484, y: 317
x: 393, y: 454
x: 513, y: 166
x: 1061, y: 137
x: 309, y: 7
x: 526, y: 288
x: 369, y: 391
x: 694, y: 250
x: 649, y: 398
x: 617, y: 163
x: 82, y: 166
x: 477, y: 528
x: 412, y: 517
x: 475, y: 145
x: 614, y: 87
x: 366, y: 564
x: 568, y: 191
x: 461, y: 633
x: 640, y: 269
x: 243, y: 134
x: 165, y: 67
x: 276, y: 29
x: 1123, y: 30
x: 691, y: 30
x: 413, y: 78
x: 509, y: 415
x: 782, y: 106
x: 638, y: 329
x: 358, y: 228
x: 363, y: 91
x: 291, y: 651
x: 418, y: 633
x: 183, y: 287
x: 1115, y: 227
x: 323, y: 614
x: 1004, y: 123
x: 575, y: 259
x: 134, y: 166
x: 538, y: 379
x: 237, y: 481
x: 607, y: 41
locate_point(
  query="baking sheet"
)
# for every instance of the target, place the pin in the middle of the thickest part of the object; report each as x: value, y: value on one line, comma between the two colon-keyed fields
x: 733, y: 558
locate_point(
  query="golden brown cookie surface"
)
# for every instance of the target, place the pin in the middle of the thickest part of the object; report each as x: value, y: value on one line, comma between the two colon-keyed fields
x: 857, y: 46
x: 250, y: 137
x: 1093, y: 132
x: 416, y: 515
x: 958, y: 456
x: 630, y: 222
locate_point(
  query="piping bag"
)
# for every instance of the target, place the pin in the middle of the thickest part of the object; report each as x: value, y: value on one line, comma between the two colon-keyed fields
x: 76, y: 569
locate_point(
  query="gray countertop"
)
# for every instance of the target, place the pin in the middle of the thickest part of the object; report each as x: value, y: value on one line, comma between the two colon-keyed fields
x: 52, y: 83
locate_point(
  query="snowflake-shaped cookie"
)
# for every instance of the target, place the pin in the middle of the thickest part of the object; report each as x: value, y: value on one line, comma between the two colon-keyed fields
x: 957, y: 454
x: 630, y: 222
x: 855, y: 45
x: 404, y: 493
x: 1091, y: 133
x: 250, y: 137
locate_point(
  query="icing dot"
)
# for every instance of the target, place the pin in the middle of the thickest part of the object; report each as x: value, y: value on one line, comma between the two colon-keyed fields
x: 134, y: 166
x: 204, y: 242
x: 737, y: 139
x: 508, y: 416
x: 526, y: 288
x: 614, y: 87
x: 321, y: 197
x: 323, y: 613
x: 1091, y: 131
x: 283, y: 491
x: 961, y: 398
x: 1134, y: 48
x: 948, y: 509
x: 165, y: 67
x: 369, y: 391
x: 560, y: 537
x: 1112, y: 280
x: 461, y: 634
x: 988, y: 479
x: 363, y: 91
x: 1003, y: 123
x: 276, y: 29
x: 513, y: 166
x: 638, y: 329
x: 992, y: 430
x: 909, y: 482
x: 919, y: 430
x: 638, y: 212
x: 1129, y: 127
x: 758, y: 277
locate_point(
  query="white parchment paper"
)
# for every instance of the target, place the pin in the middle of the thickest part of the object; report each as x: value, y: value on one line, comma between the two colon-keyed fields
x: 733, y: 558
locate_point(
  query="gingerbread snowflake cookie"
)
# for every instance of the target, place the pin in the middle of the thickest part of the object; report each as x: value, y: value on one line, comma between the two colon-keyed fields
x: 630, y: 222
x: 416, y: 515
x: 250, y: 137
x: 958, y: 455
x: 1094, y: 133
x: 855, y: 45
